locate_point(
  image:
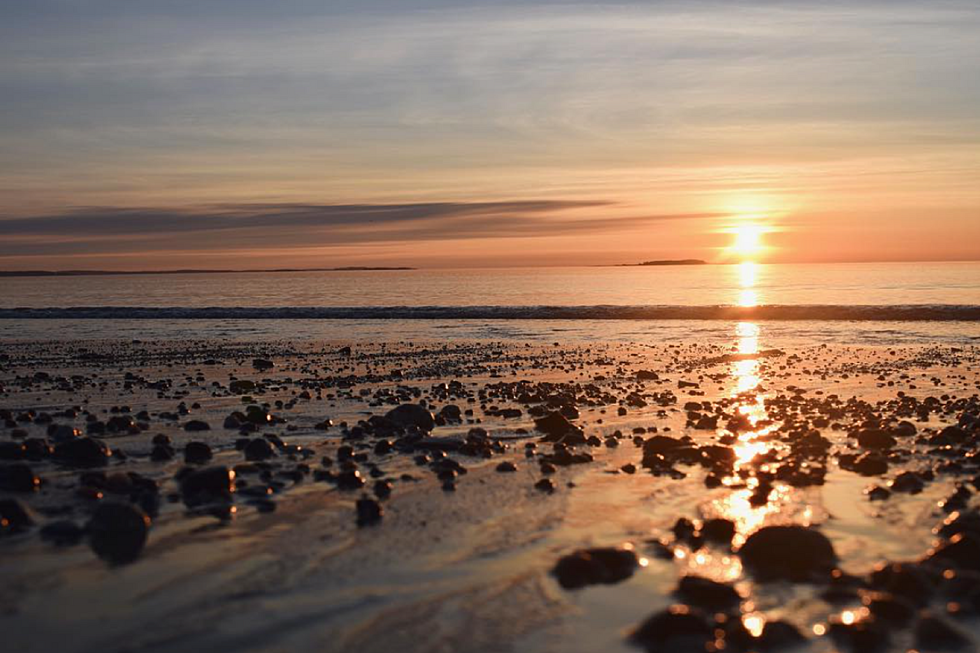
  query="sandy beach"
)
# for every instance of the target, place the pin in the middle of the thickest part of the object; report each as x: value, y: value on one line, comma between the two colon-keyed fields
x: 487, y: 496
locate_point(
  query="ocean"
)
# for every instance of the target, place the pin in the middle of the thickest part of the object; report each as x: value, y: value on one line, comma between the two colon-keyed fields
x: 854, y: 302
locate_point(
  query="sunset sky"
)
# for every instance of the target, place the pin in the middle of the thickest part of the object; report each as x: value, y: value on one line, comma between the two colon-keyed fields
x: 247, y: 133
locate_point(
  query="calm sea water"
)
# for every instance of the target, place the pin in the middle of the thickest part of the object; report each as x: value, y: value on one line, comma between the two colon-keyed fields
x: 879, y: 284
x: 869, y: 304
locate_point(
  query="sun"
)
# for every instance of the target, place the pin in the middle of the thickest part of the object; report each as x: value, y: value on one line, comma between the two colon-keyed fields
x: 748, y: 240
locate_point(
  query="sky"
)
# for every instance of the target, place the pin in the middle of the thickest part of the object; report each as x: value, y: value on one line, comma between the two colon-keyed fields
x: 255, y: 134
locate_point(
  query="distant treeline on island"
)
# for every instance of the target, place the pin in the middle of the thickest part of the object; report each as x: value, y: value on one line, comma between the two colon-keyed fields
x: 683, y: 261
x: 93, y: 273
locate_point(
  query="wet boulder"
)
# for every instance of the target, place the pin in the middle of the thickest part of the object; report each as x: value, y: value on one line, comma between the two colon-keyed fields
x: 82, y: 452
x: 874, y: 439
x: 707, y: 594
x: 369, y: 511
x: 18, y: 477
x: 259, y: 449
x: 14, y: 517
x: 678, y: 628
x: 117, y: 532
x: 407, y: 415
x: 793, y: 553
x: 207, y: 486
x: 595, y: 566
x: 197, y: 452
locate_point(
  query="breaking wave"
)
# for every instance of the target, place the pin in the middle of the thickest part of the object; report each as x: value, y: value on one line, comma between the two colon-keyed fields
x: 896, y: 313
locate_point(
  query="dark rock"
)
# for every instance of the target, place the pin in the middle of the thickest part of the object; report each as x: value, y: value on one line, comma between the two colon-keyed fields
x: 903, y: 580
x: 241, y: 386
x: 788, y: 552
x: 909, y: 482
x: 720, y: 531
x: 861, y: 636
x: 545, y: 485
x: 14, y: 517
x: 162, y: 453
x: 678, y: 628
x: 886, y: 608
x: 18, y: 477
x: 196, y: 425
x: 411, y: 415
x: 259, y: 449
x: 961, y: 551
x: 212, y: 485
x: 875, y: 439
x: 368, y: 511
x: 382, y: 489
x: 554, y: 426
x: 82, y: 452
x: 506, y: 466
x: 350, y: 479
x: 707, y: 594
x: 595, y: 566
x: 197, y: 452
x: 262, y: 364
x: 117, y: 532
x: 935, y: 634
x: 779, y: 635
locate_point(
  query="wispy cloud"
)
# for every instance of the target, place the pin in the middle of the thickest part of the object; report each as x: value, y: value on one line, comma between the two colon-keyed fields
x: 284, y: 225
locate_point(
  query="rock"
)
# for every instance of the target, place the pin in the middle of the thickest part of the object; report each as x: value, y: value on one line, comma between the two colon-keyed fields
x: 707, y: 594
x: 779, y: 635
x: 212, y: 485
x: 678, y: 628
x: 14, y: 517
x: 506, y: 466
x: 197, y: 452
x: 889, y: 609
x: 861, y: 636
x: 241, y: 386
x: 555, y: 425
x: 935, y: 634
x: 350, y: 480
x: 117, y: 532
x: 961, y: 551
x: 594, y: 566
x: 870, y: 464
x: 718, y: 530
x: 62, y: 533
x: 646, y: 375
x: 451, y: 413
x: 18, y: 477
x: 368, y: 511
x: 196, y: 425
x: 12, y: 451
x: 909, y: 482
x: 161, y: 453
x: 545, y: 485
x: 875, y: 439
x: 82, y: 452
x: 382, y: 489
x: 788, y: 552
x: 904, y: 428
x: 411, y: 415
x: 262, y: 364
x: 904, y: 580
x: 259, y: 449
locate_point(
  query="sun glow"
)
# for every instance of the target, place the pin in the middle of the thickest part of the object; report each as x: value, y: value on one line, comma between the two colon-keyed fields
x: 748, y: 240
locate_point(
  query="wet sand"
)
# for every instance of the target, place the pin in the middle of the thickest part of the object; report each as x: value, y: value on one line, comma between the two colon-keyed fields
x: 627, y: 462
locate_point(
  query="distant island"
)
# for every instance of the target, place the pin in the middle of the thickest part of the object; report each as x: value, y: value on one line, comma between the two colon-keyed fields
x: 102, y: 273
x: 683, y: 261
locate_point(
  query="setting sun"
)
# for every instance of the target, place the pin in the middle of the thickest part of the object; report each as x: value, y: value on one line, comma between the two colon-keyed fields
x: 748, y: 240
